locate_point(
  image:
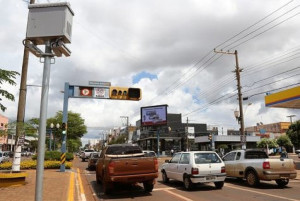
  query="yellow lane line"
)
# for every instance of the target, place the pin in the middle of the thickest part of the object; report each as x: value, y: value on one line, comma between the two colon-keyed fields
x: 257, y: 192
x: 82, y: 195
x: 71, y: 188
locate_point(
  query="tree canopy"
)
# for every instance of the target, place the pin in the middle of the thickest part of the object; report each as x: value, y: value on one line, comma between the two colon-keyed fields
x: 294, y: 133
x: 7, y: 77
x: 284, y: 141
x: 265, y: 142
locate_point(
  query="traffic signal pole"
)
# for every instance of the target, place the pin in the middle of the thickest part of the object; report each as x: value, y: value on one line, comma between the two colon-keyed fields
x: 241, y: 117
x: 64, y: 129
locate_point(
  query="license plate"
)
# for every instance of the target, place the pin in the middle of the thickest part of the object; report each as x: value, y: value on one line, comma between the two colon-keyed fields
x: 284, y: 175
x: 210, y: 178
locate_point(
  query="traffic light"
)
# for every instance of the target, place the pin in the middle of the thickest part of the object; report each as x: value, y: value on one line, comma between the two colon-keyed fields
x: 64, y: 128
x: 123, y: 93
x: 209, y: 137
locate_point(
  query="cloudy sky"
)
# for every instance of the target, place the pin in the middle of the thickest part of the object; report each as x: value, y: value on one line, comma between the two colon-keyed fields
x: 166, y: 48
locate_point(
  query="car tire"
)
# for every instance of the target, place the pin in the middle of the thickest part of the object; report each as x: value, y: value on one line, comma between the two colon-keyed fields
x: 107, y: 187
x: 219, y: 184
x: 282, y: 182
x: 148, y: 186
x: 83, y: 160
x: 252, y: 178
x: 188, y: 184
x: 165, y: 177
x: 98, y: 179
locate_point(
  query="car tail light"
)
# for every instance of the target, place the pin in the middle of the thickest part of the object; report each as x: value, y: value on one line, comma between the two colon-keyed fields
x: 195, y: 171
x: 156, y: 164
x: 223, y: 169
x: 266, y: 165
x: 111, y: 168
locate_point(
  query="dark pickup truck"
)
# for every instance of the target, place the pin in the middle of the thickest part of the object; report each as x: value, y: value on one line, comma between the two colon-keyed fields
x: 125, y: 163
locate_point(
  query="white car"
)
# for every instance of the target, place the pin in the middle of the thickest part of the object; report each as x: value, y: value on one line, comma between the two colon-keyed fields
x: 4, y: 157
x: 195, y: 167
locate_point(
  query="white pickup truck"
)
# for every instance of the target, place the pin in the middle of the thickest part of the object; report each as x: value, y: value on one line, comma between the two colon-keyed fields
x: 195, y: 167
x: 255, y: 165
x: 86, y: 154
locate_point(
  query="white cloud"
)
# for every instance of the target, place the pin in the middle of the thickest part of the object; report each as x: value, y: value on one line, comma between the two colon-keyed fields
x: 114, y: 40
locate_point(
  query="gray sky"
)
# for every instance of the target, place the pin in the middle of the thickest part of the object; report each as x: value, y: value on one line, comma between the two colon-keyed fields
x: 116, y: 40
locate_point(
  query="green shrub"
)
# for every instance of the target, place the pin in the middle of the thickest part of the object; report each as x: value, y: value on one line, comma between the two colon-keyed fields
x: 31, y: 164
x: 54, y: 156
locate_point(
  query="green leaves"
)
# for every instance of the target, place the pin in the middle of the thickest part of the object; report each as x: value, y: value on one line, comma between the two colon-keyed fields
x: 8, y: 77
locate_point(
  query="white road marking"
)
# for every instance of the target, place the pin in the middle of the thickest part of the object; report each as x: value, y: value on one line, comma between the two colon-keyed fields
x: 252, y: 191
x: 177, y: 195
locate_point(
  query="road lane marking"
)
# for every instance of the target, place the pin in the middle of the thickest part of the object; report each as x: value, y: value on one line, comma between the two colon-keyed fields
x: 71, y: 188
x: 177, y: 195
x: 257, y: 192
x: 82, y: 195
x: 162, y: 189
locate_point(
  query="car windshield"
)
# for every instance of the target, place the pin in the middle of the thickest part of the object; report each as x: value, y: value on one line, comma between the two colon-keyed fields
x: 201, y: 158
x: 0, y: 154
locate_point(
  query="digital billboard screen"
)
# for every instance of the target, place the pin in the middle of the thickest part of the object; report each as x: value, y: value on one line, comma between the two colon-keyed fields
x: 154, y: 115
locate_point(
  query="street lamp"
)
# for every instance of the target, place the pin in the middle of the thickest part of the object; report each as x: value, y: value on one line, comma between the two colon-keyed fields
x: 51, y: 127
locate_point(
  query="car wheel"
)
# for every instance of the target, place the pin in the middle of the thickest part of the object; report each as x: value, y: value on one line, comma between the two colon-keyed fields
x: 188, y: 185
x: 219, y: 184
x: 282, y: 182
x: 98, y: 179
x: 148, y: 186
x: 165, y: 177
x: 83, y: 160
x: 252, y: 178
x: 107, y: 186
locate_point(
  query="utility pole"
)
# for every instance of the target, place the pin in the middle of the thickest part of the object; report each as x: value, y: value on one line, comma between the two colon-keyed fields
x: 187, y: 134
x: 237, y: 73
x: 291, y: 118
x: 21, y: 105
x: 127, y: 122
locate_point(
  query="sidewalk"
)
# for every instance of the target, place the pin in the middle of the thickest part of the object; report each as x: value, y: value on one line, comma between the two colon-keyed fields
x: 55, y: 187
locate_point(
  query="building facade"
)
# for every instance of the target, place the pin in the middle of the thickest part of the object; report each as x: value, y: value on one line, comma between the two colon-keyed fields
x: 272, y: 131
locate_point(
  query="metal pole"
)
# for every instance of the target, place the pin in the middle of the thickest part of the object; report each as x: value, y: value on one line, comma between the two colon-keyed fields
x: 50, y: 149
x: 187, y: 134
x: 42, y: 124
x: 157, y: 131
x: 64, y: 132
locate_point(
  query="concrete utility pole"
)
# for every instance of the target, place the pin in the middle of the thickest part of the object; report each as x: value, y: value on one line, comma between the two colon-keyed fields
x: 241, y: 117
x: 187, y: 134
x: 127, y: 123
x: 291, y: 118
x: 21, y: 105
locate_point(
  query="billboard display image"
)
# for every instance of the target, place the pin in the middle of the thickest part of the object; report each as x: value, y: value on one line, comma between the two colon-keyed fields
x: 154, y: 115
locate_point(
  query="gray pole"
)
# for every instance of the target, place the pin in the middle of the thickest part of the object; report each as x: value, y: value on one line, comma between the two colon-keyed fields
x: 157, y: 142
x: 42, y: 124
x: 64, y: 132
x: 237, y: 71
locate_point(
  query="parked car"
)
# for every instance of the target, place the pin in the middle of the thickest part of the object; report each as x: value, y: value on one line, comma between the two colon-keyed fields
x: 195, y: 167
x: 86, y: 154
x: 149, y: 153
x: 125, y: 164
x: 297, y: 151
x: 4, y: 157
x: 255, y: 165
x: 92, y: 160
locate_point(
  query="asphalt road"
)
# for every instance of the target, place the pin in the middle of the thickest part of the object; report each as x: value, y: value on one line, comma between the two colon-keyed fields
x: 232, y: 190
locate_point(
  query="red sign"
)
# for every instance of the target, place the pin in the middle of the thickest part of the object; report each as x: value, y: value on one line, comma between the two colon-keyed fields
x: 86, y: 91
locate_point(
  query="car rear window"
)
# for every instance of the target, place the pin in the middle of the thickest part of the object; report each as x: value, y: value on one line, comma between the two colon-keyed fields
x: 255, y: 155
x: 120, y: 150
x: 87, y: 150
x: 202, y: 158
